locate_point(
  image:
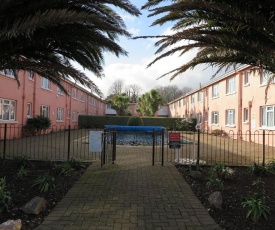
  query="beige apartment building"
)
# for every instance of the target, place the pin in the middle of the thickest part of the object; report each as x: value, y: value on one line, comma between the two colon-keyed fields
x: 234, y: 102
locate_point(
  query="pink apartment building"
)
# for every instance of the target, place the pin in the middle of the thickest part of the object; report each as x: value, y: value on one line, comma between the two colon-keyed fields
x: 36, y: 95
x: 234, y: 102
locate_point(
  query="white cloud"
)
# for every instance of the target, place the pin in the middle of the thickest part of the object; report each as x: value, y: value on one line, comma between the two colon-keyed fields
x: 134, y: 31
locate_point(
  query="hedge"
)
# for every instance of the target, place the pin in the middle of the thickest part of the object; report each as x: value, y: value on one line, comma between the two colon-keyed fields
x: 98, y: 122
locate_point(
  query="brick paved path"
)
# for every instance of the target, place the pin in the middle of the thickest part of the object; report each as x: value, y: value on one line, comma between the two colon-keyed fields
x: 132, y: 194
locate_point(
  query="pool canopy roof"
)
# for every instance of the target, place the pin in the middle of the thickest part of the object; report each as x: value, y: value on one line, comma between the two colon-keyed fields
x: 134, y: 128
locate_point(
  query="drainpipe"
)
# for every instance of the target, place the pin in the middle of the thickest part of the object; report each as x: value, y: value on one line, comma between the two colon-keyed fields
x: 23, y: 98
x: 34, y: 95
x: 240, y: 100
x: 249, y: 119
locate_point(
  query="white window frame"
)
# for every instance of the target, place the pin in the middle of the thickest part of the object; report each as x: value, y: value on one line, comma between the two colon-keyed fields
x: 184, y: 102
x: 179, y: 103
x: 200, y: 96
x: 7, y: 110
x: 268, y: 117
x: 215, y: 91
x: 60, y: 114
x: 246, y: 78
x: 8, y: 73
x: 230, y: 117
x: 192, y: 99
x: 45, y: 111
x: 265, y: 77
x: 69, y: 91
x: 45, y: 83
x: 74, y: 115
x: 215, y: 118
x: 68, y: 114
x: 245, y: 115
x: 31, y: 75
x: 60, y: 91
x: 29, y: 110
x: 199, y: 118
x: 75, y: 93
x: 82, y: 97
x: 231, y: 85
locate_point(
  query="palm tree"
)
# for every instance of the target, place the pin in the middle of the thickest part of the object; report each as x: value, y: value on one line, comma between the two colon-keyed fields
x: 148, y: 103
x: 224, y: 32
x: 44, y: 36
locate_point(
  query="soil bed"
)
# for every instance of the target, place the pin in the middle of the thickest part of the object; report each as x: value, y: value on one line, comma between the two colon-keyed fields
x: 233, y: 215
x: 22, y: 190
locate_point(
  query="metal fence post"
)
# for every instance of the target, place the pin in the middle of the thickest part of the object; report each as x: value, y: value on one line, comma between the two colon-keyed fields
x: 198, y: 153
x: 153, y: 156
x: 69, y: 142
x: 114, y: 146
x: 5, y: 142
x: 162, y: 147
x: 263, y: 148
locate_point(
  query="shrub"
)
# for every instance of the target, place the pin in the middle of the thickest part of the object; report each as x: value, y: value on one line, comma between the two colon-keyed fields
x: 257, y: 169
x: 44, y: 183
x: 36, y: 124
x: 135, y: 121
x: 65, y: 169
x: 75, y: 164
x: 219, y: 132
x: 5, y: 198
x: 186, y: 124
x: 256, y: 207
x: 22, y: 172
x: 22, y: 161
x: 221, y: 171
x: 215, y: 184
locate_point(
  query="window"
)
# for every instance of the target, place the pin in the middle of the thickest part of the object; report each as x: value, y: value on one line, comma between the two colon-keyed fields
x: 267, y: 117
x: 60, y: 90
x: 184, y: 102
x: 7, y: 110
x: 215, y: 118
x: 94, y: 101
x: 90, y: 100
x: 199, y: 118
x: 200, y: 96
x: 29, y: 110
x: 82, y: 97
x: 60, y: 114
x: 265, y: 77
x: 69, y: 91
x: 179, y: 103
x: 192, y: 99
x: 8, y: 73
x: 245, y: 114
x: 230, y: 85
x: 30, y: 75
x: 45, y: 83
x: 74, y: 93
x: 68, y: 114
x: 230, y: 117
x: 246, y: 78
x: 74, y: 116
x: 215, y: 90
x: 45, y: 111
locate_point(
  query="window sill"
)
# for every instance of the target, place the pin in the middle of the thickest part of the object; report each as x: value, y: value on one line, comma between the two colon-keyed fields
x: 245, y: 122
x: 75, y: 99
x: 247, y: 84
x: 230, y: 126
x: 215, y: 124
x: 8, y: 122
x: 267, y: 128
x: 228, y: 94
x: 215, y: 97
x: 59, y: 121
x: 46, y: 89
x: 263, y: 85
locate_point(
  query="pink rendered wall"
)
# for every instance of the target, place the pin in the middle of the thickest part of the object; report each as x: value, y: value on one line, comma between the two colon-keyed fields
x: 31, y: 92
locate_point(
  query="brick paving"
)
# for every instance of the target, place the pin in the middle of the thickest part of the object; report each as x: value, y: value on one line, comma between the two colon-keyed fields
x: 131, y: 194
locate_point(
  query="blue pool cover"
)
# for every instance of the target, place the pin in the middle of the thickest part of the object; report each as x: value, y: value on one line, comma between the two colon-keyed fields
x: 134, y: 128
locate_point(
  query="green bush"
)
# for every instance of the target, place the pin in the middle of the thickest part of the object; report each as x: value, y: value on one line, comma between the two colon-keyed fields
x: 135, y: 121
x: 22, y: 161
x: 257, y: 207
x: 22, y: 172
x: 65, y: 169
x: 44, y: 183
x: 36, y: 125
x: 5, y: 198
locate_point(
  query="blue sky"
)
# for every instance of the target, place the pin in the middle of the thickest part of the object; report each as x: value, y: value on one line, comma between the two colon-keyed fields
x: 132, y: 69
